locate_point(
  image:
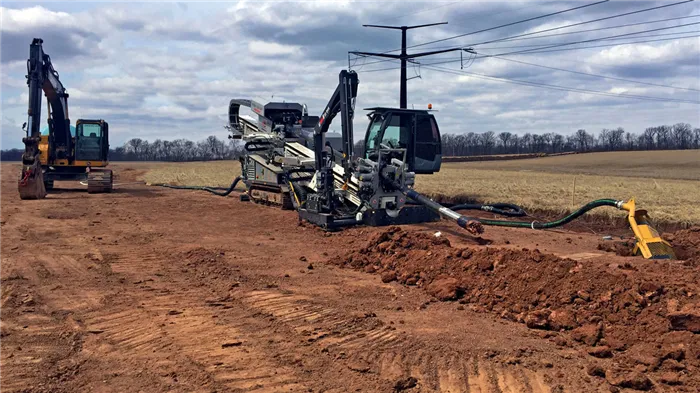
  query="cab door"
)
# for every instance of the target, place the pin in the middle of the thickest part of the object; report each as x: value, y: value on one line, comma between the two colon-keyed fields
x: 90, y: 140
x: 427, y: 146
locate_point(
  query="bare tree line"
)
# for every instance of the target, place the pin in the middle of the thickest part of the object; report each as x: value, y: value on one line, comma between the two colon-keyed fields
x: 665, y: 137
x: 209, y: 149
x: 137, y: 149
x: 678, y: 136
x: 675, y: 137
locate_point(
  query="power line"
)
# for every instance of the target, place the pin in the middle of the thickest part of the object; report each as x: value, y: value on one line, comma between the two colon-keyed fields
x: 596, y: 75
x: 490, y: 14
x: 601, y: 28
x: 583, y: 23
x: 432, y: 66
x: 583, y: 31
x: 515, y: 37
x: 597, y: 39
x: 560, y: 88
x: 542, y: 46
x: 453, y: 60
x: 445, y: 60
x: 510, y: 24
x: 606, y: 45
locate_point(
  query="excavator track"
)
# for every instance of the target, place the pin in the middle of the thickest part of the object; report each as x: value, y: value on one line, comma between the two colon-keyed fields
x: 270, y: 196
x: 99, y: 181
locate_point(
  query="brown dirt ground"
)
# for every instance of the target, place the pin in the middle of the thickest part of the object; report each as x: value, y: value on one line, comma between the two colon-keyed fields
x: 155, y: 290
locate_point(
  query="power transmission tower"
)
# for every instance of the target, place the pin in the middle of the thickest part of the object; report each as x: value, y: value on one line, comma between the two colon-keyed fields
x: 405, y: 56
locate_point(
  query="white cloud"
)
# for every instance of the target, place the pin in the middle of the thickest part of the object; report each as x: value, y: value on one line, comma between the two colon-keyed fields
x: 262, y: 48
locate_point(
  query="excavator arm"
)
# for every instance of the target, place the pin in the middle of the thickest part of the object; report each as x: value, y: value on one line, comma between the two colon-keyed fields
x: 42, y: 77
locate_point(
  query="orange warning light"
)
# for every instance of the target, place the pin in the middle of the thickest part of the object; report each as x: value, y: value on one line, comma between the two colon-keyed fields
x: 430, y: 106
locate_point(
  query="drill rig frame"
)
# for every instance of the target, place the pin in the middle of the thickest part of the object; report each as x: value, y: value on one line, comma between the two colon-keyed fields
x: 330, y: 186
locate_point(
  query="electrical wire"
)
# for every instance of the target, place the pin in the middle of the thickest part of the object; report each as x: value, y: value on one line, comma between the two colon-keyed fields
x: 509, y: 24
x: 562, y: 27
x: 598, y: 39
x: 601, y: 28
x: 454, y: 60
x: 559, y: 87
x: 553, y: 28
x: 606, y: 45
x: 583, y: 23
x: 607, y: 39
x: 578, y: 31
x: 490, y: 14
x: 596, y: 75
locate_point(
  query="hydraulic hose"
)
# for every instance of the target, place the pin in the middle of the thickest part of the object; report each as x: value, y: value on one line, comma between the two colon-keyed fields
x: 503, y: 209
x: 469, y: 223
x: 213, y: 190
x: 556, y: 223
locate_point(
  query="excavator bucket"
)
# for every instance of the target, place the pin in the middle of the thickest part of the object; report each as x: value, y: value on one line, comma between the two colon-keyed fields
x: 648, y: 242
x: 31, y: 182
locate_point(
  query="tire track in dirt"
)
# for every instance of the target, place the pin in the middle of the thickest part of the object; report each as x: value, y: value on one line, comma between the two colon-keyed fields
x: 366, y: 344
x: 22, y: 363
x: 168, y: 319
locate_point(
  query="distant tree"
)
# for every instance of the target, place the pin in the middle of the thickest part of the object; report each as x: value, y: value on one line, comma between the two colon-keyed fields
x: 682, y: 135
x: 488, y: 140
x: 505, y: 137
x: 582, y: 139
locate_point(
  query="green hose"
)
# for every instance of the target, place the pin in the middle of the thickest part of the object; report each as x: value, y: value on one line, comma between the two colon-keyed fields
x: 553, y: 224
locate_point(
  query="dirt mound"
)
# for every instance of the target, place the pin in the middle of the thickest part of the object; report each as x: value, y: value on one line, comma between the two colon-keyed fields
x: 210, y: 264
x: 686, y: 244
x: 623, y: 248
x: 606, y: 308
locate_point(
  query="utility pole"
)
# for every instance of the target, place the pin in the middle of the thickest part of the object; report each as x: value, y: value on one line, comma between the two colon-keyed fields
x: 405, y: 56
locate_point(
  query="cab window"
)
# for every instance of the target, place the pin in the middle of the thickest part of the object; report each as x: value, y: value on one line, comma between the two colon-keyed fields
x: 90, y: 130
x: 398, y: 131
x: 372, y: 137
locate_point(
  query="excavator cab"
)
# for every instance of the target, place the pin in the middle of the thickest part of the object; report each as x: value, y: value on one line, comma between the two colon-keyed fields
x: 416, y: 131
x: 91, y: 141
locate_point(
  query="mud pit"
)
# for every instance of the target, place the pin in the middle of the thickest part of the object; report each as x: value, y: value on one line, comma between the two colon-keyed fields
x: 158, y: 290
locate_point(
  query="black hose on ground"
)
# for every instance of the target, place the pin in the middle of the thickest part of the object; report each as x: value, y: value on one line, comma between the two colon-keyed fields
x: 503, y: 209
x: 213, y: 190
x: 473, y: 223
x: 556, y: 223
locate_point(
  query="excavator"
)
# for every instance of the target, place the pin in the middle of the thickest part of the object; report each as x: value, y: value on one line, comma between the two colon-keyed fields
x: 59, y: 155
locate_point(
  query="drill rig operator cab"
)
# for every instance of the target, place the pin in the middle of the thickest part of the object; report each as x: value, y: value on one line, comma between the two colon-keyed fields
x: 416, y: 131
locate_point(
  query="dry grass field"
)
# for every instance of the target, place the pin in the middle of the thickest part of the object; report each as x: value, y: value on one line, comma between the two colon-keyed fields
x: 666, y: 183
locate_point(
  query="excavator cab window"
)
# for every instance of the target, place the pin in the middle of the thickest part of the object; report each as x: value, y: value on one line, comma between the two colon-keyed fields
x: 90, y: 140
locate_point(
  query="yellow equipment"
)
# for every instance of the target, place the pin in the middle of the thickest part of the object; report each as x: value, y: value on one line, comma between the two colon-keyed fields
x: 648, y: 242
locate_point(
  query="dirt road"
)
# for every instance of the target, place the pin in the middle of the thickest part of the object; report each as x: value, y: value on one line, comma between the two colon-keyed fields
x: 158, y: 290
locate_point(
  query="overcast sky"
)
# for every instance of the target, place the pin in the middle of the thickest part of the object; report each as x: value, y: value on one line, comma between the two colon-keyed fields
x: 168, y: 70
